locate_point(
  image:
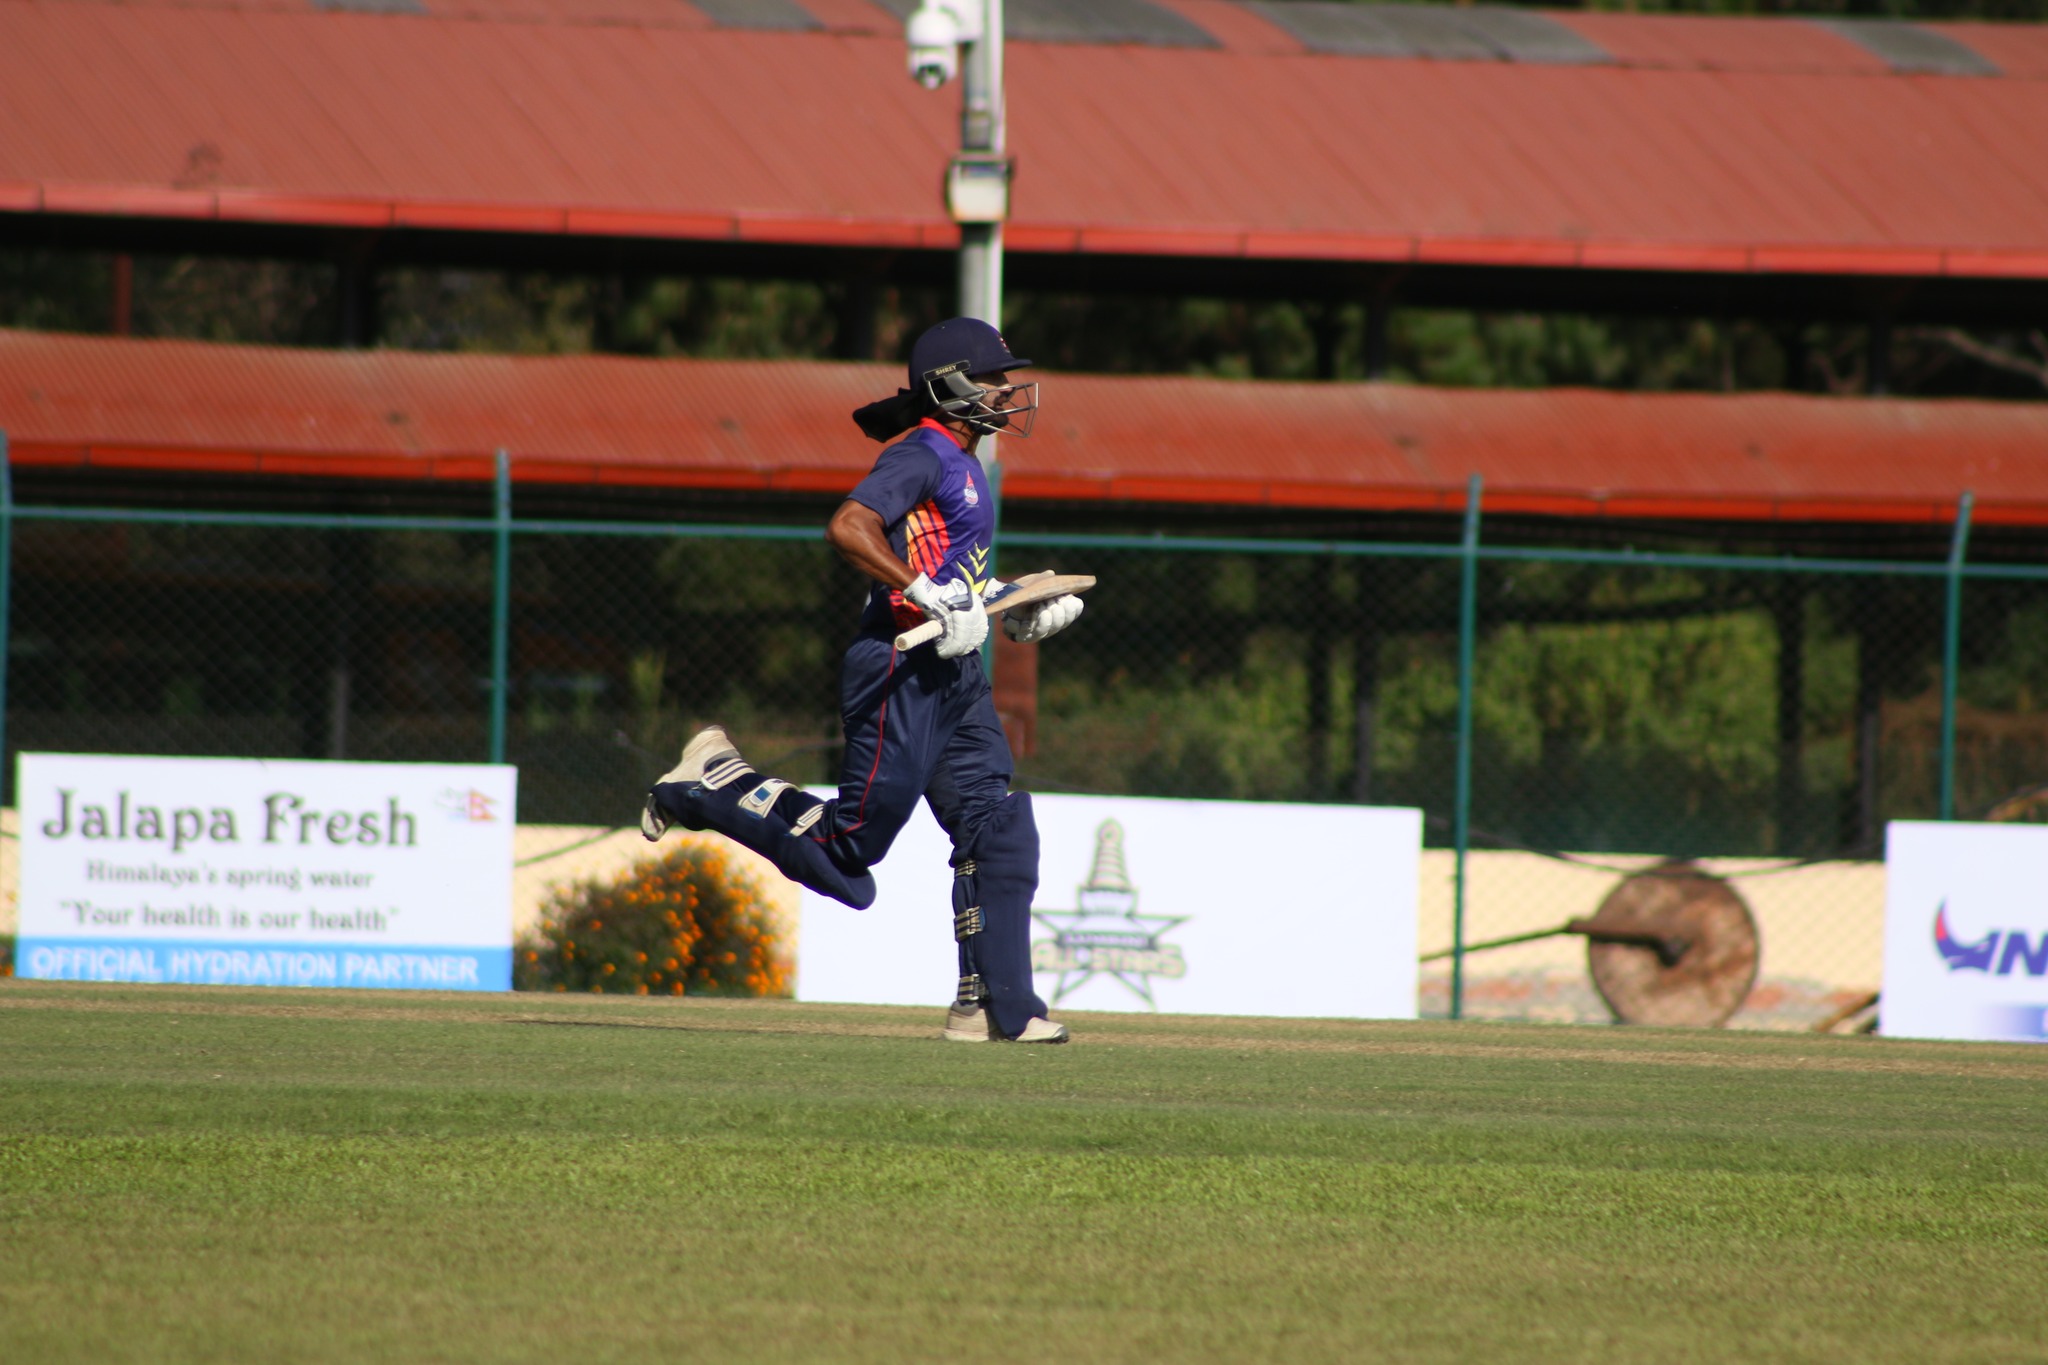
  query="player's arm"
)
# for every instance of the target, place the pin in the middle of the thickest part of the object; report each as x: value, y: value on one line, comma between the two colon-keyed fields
x: 857, y: 533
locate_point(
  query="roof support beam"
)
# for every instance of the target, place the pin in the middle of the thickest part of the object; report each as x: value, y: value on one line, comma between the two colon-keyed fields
x: 1947, y: 300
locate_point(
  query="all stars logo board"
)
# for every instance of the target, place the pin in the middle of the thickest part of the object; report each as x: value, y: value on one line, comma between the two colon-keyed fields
x: 1149, y: 905
x: 1104, y: 935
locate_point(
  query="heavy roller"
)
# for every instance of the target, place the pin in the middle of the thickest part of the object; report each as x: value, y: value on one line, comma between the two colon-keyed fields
x: 1671, y: 945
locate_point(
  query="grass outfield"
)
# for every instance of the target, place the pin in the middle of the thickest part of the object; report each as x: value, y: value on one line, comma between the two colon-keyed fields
x: 233, y: 1175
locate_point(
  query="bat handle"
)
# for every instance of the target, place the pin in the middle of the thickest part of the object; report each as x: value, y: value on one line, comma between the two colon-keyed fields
x: 917, y: 635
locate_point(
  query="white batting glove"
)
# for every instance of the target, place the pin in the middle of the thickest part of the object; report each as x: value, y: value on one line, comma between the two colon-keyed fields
x: 957, y: 609
x: 1029, y: 625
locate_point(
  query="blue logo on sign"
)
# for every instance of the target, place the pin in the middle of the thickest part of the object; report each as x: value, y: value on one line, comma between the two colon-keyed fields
x: 2019, y: 951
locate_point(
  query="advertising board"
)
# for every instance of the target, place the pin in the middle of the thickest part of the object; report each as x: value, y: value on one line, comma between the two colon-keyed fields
x: 1189, y: 907
x: 259, y: 872
x: 1965, y: 931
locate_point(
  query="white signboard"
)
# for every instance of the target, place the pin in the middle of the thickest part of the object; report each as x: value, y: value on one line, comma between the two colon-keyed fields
x: 266, y: 873
x: 1965, y: 931
x: 1188, y: 907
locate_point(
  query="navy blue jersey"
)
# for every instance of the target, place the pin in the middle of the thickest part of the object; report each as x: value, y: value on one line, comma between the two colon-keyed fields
x: 934, y: 502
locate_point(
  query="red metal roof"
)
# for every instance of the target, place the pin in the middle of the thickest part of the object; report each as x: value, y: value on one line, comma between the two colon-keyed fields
x: 783, y: 425
x: 1694, y: 144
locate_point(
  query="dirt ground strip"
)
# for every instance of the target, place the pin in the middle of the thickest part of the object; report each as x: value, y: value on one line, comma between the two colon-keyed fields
x: 1363, y: 1038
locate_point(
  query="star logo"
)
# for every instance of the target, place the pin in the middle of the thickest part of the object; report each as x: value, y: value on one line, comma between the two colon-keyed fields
x: 1104, y: 935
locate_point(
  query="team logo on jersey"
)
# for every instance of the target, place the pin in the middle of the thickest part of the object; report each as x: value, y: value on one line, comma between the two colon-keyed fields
x: 975, y: 566
x: 972, y: 494
x: 1104, y: 935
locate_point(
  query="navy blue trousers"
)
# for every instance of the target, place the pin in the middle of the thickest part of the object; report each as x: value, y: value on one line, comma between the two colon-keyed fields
x: 918, y: 728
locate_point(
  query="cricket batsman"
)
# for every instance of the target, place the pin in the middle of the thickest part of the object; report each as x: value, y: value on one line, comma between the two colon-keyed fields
x: 920, y: 724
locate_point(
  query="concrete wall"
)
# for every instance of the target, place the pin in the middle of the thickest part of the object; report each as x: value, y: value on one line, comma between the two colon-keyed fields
x: 1822, y: 926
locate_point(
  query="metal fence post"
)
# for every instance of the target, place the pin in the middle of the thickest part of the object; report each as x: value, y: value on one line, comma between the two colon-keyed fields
x: 501, y: 610
x: 1461, y: 813
x: 1951, y: 653
x: 6, y: 602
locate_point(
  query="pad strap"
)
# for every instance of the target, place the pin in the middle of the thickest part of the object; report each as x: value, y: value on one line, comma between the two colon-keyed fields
x: 967, y: 920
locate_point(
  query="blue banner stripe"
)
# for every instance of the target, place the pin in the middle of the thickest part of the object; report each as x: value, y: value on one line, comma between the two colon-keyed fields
x: 2017, y: 1023
x: 186, y: 962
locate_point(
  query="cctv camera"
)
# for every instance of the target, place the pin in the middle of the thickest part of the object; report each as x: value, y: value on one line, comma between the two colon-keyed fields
x: 932, y: 67
x: 935, y: 32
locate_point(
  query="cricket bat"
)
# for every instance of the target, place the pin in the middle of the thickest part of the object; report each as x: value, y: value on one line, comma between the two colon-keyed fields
x: 1037, y: 587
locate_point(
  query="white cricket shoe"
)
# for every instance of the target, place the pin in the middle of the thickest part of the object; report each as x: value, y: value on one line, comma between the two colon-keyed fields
x: 970, y: 1024
x: 1043, y: 1031
x: 709, y: 747
x: 973, y: 1024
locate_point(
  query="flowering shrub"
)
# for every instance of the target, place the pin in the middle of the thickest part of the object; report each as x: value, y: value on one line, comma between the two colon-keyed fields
x: 688, y: 923
x: 6, y: 955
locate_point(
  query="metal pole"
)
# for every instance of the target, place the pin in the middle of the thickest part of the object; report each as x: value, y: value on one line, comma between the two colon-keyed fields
x: 1461, y: 811
x: 981, y: 244
x: 6, y: 602
x: 501, y: 610
x: 1951, y: 652
x: 981, y: 132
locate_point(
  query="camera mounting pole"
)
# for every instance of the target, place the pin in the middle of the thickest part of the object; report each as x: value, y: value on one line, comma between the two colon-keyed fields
x: 967, y: 35
x: 978, y: 181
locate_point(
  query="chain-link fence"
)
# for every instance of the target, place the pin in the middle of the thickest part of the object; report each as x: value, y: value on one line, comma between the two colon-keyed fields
x: 1565, y: 718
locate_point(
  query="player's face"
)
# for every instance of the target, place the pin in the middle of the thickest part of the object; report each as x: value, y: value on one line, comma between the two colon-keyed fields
x: 1002, y: 397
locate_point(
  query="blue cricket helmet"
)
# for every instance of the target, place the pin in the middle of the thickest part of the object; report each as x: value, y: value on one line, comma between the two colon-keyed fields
x: 964, y: 345
x: 943, y: 364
